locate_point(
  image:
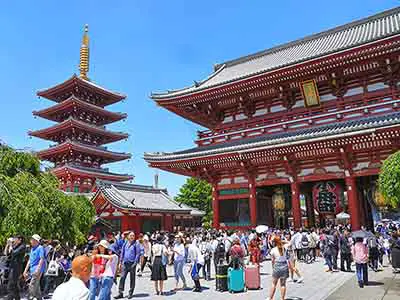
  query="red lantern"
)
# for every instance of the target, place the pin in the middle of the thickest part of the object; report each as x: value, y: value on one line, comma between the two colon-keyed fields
x: 326, y: 196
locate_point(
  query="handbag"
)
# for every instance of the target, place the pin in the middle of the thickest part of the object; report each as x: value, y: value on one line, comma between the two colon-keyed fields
x: 195, y: 272
x: 53, y: 268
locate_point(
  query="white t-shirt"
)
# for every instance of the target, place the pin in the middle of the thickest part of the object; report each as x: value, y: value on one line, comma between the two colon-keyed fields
x: 73, y: 289
x: 111, y: 266
x: 180, y: 249
x: 275, y: 252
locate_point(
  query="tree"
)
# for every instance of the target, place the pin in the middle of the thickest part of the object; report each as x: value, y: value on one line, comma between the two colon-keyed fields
x: 389, y: 180
x: 30, y: 202
x: 197, y: 194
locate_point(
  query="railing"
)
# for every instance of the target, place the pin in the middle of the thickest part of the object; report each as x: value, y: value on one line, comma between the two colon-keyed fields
x: 352, y: 107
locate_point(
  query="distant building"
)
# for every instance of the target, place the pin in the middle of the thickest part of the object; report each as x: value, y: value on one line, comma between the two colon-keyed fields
x: 80, y: 131
x: 141, y: 208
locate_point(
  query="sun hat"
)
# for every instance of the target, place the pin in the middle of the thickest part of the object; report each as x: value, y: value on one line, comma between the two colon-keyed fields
x: 36, y: 237
x: 104, y: 244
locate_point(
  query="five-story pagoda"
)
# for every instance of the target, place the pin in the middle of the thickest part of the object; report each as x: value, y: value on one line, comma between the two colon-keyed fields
x: 80, y: 132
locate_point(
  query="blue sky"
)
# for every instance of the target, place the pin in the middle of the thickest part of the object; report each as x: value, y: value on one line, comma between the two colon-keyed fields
x: 138, y: 47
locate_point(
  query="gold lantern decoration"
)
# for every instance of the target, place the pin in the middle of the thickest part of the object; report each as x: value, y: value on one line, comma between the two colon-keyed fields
x: 378, y: 198
x: 278, y: 199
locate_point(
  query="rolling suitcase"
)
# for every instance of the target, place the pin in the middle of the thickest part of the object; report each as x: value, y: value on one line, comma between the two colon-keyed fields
x: 252, y: 277
x: 221, y: 278
x: 236, y: 280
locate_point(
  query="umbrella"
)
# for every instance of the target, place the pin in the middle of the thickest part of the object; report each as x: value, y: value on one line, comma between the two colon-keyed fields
x: 343, y: 216
x: 362, y: 234
x: 261, y: 228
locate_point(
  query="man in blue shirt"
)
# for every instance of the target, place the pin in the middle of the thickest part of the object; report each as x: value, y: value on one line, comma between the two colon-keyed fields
x: 130, y: 254
x: 36, y: 267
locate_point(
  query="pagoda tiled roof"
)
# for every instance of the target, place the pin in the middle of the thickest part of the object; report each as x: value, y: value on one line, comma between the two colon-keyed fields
x: 74, y: 145
x: 299, y: 136
x: 48, y: 113
x: 90, y: 172
x: 345, y: 37
x: 134, y: 197
x: 71, y: 122
x: 70, y: 84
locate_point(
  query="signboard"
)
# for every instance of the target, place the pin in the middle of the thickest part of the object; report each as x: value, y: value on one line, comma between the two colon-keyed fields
x: 309, y: 90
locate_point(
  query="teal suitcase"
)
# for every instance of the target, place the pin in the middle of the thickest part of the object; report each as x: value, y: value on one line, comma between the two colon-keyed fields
x: 236, y: 280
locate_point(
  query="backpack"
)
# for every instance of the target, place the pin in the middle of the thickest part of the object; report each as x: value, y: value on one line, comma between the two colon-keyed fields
x: 220, y: 251
x: 304, y: 240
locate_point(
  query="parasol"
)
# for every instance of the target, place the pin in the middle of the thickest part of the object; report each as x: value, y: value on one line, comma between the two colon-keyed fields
x: 343, y: 216
x: 363, y: 234
x: 261, y: 228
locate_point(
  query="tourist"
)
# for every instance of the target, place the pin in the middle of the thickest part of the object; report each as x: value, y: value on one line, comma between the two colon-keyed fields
x: 360, y: 255
x: 158, y: 272
x: 206, y: 251
x: 327, y: 242
x: 75, y: 288
x: 35, y: 267
x: 197, y: 261
x: 395, y: 251
x: 254, y: 249
x: 141, y: 256
x: 179, y: 261
x: 146, y: 254
x: 345, y: 252
x: 292, y: 261
x: 110, y: 269
x: 373, y: 253
x: 15, y: 250
x: 280, y: 268
x: 313, y: 241
x: 98, y: 267
x: 236, y: 254
x: 130, y: 254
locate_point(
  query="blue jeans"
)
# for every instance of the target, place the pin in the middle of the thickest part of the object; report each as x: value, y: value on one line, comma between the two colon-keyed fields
x: 106, y: 285
x: 178, y: 270
x: 362, y: 273
x: 94, y: 285
x: 328, y: 260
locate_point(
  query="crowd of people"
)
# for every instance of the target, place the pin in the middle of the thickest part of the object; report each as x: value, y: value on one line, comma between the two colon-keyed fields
x: 94, y: 269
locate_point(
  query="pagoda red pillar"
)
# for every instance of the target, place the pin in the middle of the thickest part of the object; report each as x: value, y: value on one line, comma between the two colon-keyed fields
x: 215, y: 206
x: 253, y: 201
x: 354, y: 205
x: 296, y: 210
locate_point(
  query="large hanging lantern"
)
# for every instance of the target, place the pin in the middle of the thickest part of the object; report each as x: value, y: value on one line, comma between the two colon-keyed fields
x: 278, y: 199
x: 326, y: 196
x: 378, y: 197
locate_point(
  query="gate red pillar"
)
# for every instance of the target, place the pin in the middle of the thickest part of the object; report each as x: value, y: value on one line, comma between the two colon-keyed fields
x: 354, y: 205
x: 253, y: 201
x: 296, y: 210
x: 215, y: 206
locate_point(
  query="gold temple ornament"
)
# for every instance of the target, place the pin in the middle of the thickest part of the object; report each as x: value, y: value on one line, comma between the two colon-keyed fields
x: 309, y: 90
x: 84, y: 55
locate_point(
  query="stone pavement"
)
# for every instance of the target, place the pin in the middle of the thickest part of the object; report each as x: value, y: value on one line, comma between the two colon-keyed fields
x: 382, y: 285
x: 317, y: 285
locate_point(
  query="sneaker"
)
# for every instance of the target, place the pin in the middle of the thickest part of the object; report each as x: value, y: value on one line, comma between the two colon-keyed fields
x: 328, y: 270
x: 119, y: 296
x: 130, y: 296
x: 289, y: 279
x: 300, y: 280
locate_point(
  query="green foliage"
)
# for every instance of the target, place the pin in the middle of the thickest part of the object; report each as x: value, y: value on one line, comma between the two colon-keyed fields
x: 30, y: 202
x: 198, y: 194
x: 389, y: 180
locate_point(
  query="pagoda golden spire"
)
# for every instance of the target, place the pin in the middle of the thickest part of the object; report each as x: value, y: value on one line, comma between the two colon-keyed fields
x: 84, y: 55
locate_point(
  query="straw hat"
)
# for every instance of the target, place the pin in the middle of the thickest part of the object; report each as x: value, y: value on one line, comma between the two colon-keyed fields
x: 36, y: 237
x: 104, y: 244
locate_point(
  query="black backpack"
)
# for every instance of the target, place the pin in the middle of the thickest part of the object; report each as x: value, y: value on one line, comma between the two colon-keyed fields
x: 304, y: 240
x: 220, y: 251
